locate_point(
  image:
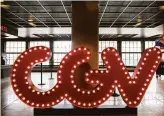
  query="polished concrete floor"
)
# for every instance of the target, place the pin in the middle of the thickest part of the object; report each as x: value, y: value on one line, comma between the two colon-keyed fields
x: 152, y: 104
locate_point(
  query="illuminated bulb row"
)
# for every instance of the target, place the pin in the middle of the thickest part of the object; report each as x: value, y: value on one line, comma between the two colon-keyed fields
x: 47, y: 105
x: 26, y: 76
x: 120, y: 62
x: 93, y: 104
x: 143, y: 89
x: 29, y: 67
x: 75, y: 66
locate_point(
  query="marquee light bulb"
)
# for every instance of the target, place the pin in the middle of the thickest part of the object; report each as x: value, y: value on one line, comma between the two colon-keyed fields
x: 88, y: 52
x: 104, y: 57
x: 159, y: 57
x: 98, y: 88
x: 93, y: 91
x: 123, y: 68
x: 74, y: 86
x: 78, y: 62
x: 104, y: 52
x: 101, y: 84
x: 27, y: 101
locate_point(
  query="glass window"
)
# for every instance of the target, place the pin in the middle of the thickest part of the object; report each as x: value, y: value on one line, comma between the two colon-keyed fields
x: 13, y: 50
x: 15, y: 46
x: 131, y: 59
x: 60, y: 49
x: 103, y: 45
x: 10, y: 58
x: 131, y: 46
x: 131, y: 52
x: 149, y: 44
x: 58, y: 57
x: 62, y: 46
x: 40, y: 43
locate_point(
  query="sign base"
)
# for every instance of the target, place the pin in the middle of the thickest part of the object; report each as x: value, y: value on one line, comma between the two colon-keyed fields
x: 67, y: 110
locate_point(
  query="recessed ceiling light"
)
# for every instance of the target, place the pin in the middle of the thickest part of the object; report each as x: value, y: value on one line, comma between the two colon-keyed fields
x: 5, y: 6
x: 51, y: 35
x: 32, y: 24
x: 30, y: 20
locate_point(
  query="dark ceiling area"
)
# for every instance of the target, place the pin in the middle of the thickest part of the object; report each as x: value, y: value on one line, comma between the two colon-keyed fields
x: 59, y: 13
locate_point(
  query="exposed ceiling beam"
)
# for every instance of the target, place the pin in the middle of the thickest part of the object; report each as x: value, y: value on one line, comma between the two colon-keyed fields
x: 66, y: 12
x: 71, y: 12
x: 66, y: 18
x: 30, y: 13
x: 103, y: 11
x: 12, y: 22
x: 48, y: 13
x: 154, y: 23
x: 132, y: 6
x: 121, y: 13
x: 105, y: 22
x: 150, y: 17
x: 140, y: 12
x: 119, y: 16
x: 16, y: 16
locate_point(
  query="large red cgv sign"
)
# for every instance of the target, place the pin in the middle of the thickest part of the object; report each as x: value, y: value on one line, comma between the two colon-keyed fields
x: 131, y: 88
